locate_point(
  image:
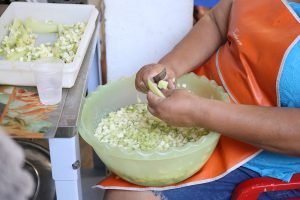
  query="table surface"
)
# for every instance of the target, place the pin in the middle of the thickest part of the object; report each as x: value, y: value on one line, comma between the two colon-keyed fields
x: 64, y: 117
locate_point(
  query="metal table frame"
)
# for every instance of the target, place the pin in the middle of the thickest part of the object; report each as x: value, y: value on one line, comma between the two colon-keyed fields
x: 64, y: 147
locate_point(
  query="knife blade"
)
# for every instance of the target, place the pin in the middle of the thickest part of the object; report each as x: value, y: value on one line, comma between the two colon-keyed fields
x: 160, y: 76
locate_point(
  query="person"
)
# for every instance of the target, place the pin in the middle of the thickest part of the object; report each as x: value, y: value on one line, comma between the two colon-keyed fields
x: 201, y: 7
x: 15, y: 181
x: 252, y: 49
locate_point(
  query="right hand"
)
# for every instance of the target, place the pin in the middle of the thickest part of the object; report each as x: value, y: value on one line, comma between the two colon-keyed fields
x: 148, y: 72
x: 181, y: 108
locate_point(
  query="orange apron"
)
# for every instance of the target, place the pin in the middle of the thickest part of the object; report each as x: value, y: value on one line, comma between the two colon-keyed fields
x: 248, y: 66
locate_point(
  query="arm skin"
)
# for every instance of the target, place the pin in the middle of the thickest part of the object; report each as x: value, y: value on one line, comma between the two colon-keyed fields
x: 208, y: 34
x: 198, y: 45
x: 271, y: 128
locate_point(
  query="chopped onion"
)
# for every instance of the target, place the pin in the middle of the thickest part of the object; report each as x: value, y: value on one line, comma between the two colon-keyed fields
x: 134, y: 128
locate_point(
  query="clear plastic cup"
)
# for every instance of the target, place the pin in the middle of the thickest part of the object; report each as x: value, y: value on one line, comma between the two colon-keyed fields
x: 48, y: 77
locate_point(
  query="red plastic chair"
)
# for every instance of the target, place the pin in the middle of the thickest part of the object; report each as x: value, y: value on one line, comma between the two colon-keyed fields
x: 253, y: 188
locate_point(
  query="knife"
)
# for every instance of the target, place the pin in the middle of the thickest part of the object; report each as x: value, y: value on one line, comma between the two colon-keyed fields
x: 160, y: 76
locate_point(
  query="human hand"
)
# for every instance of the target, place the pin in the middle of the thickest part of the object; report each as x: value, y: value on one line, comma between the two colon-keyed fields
x: 179, y: 108
x: 151, y: 70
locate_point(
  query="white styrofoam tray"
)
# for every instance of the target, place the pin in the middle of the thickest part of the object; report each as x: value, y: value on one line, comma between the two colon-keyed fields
x: 19, y: 73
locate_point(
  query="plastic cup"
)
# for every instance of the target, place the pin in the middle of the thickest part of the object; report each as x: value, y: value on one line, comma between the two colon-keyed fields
x: 48, y: 78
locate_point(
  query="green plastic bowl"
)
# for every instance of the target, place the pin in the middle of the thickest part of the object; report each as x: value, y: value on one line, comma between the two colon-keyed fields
x: 155, y: 168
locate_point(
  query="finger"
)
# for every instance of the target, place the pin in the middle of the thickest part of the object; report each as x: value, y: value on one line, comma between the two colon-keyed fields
x: 138, y: 80
x: 151, y: 110
x: 171, y: 84
x: 152, y: 73
x: 169, y: 92
x: 142, y: 86
x: 151, y: 103
x: 153, y: 100
x: 139, y: 84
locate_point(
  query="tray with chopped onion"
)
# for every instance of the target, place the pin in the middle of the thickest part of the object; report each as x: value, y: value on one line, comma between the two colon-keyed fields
x: 30, y: 31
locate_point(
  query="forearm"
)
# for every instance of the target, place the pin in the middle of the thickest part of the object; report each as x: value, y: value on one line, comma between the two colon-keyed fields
x: 195, y: 48
x: 270, y: 128
x: 202, y: 41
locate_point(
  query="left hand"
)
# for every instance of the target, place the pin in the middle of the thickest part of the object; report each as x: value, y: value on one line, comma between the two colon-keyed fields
x: 178, y: 108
